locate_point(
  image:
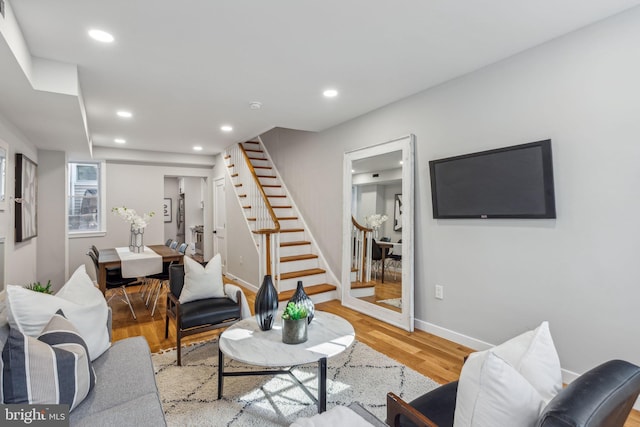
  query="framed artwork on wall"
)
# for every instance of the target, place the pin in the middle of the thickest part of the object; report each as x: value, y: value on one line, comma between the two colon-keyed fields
x: 26, y: 197
x: 397, y: 213
x: 167, y: 209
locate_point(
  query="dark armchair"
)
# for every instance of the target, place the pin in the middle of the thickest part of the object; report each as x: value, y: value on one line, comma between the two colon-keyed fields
x: 601, y: 397
x: 196, y: 316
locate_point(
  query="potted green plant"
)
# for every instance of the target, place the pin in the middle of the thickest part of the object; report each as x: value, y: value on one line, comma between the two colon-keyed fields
x: 294, y: 324
x: 37, y: 287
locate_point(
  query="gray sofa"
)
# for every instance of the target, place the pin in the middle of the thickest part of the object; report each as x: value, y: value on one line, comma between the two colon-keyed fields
x: 125, y: 393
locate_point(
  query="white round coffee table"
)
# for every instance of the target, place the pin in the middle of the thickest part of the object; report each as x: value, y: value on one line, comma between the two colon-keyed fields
x: 244, y: 342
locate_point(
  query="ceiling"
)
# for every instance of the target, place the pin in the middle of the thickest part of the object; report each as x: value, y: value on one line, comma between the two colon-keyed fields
x: 186, y: 68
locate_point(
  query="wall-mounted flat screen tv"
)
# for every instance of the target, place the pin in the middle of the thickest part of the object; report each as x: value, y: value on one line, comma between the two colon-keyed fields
x: 509, y: 182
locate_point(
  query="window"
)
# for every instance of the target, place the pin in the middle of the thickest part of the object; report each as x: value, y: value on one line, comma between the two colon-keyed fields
x: 86, y: 198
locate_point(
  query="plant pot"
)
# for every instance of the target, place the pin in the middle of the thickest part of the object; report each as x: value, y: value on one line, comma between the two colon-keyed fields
x: 294, y: 331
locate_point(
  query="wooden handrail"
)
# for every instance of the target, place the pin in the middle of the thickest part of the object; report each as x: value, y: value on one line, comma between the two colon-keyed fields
x: 272, y: 214
x: 358, y: 226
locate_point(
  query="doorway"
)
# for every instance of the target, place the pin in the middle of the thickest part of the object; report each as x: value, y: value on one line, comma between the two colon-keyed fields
x: 219, y: 221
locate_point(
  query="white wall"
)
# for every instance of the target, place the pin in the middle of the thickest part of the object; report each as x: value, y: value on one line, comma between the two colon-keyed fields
x: 20, y: 258
x: 140, y: 187
x: 579, y: 271
x: 52, y: 218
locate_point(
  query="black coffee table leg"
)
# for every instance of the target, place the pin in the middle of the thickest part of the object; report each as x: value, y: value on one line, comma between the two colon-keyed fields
x: 220, y: 373
x: 322, y: 385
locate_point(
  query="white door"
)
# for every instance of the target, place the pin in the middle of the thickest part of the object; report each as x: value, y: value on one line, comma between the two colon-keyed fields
x: 219, y: 221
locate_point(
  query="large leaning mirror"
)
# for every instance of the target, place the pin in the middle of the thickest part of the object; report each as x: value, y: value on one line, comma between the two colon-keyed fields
x: 377, y: 265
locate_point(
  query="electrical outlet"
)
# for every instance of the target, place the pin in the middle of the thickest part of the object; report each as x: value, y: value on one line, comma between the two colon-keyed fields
x: 439, y: 292
x: 241, y: 259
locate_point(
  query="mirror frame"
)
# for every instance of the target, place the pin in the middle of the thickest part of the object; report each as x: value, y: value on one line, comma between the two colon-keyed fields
x: 3, y: 179
x: 404, y: 319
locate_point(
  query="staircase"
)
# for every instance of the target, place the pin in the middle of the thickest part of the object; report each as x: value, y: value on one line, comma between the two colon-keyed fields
x: 286, y: 247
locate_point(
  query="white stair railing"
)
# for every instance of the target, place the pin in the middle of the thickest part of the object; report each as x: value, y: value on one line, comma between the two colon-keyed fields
x: 361, y: 258
x: 266, y: 224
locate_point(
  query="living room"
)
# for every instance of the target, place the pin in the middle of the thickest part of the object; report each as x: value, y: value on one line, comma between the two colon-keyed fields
x: 500, y: 277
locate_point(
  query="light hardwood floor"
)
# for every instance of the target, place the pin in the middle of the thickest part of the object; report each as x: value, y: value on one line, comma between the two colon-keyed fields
x: 428, y: 354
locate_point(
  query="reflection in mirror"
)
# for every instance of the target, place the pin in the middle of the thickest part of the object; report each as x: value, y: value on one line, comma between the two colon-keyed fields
x: 378, y: 231
x: 4, y: 150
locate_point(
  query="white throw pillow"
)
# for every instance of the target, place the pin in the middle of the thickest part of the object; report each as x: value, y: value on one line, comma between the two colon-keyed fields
x: 534, y: 356
x: 202, y: 282
x: 531, y: 354
x: 495, y: 395
x: 82, y: 303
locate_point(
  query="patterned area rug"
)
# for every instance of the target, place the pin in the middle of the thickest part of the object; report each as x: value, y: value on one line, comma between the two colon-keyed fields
x: 189, y: 393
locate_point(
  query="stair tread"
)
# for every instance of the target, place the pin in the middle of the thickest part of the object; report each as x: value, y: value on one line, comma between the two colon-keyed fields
x: 272, y: 185
x: 246, y: 207
x: 297, y: 257
x: 234, y: 175
x: 231, y: 165
x: 250, y: 150
x: 309, y: 290
x: 276, y: 196
x: 296, y: 243
x: 302, y: 273
x: 262, y: 167
x: 291, y: 230
x: 281, y: 207
x: 228, y: 156
x: 238, y: 185
x: 285, y: 218
x: 266, y: 176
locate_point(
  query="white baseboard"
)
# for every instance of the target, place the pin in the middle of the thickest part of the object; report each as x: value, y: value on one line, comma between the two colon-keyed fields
x: 242, y: 282
x: 476, y: 344
x: 454, y: 336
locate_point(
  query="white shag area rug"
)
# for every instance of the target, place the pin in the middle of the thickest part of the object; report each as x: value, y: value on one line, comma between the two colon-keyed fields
x: 360, y: 374
x: 394, y: 302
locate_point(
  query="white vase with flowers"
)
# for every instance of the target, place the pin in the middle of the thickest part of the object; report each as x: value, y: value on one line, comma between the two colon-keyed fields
x: 138, y: 224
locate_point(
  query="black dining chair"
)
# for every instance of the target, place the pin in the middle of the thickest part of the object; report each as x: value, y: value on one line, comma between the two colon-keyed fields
x: 115, y: 282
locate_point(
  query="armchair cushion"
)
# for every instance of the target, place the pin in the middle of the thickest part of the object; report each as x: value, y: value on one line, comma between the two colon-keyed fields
x: 202, y: 282
x: 208, y: 311
x: 438, y: 405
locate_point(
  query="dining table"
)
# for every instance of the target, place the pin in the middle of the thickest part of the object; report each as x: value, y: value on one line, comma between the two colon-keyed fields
x: 109, y: 258
x: 384, y: 246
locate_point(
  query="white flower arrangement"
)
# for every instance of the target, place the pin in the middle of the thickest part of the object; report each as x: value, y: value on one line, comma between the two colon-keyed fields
x: 131, y: 216
x: 375, y: 220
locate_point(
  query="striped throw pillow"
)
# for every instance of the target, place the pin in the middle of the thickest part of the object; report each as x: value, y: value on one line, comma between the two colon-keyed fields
x: 53, y: 369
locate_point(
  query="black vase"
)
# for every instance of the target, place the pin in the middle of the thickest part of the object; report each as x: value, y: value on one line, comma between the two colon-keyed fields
x: 266, y: 304
x: 301, y: 297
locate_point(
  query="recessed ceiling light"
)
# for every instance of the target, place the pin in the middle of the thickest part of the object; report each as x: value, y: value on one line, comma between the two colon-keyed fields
x: 330, y: 93
x: 400, y: 161
x: 197, y: 148
x: 255, y: 105
x: 226, y: 128
x: 101, y: 36
x: 119, y: 140
x: 125, y: 114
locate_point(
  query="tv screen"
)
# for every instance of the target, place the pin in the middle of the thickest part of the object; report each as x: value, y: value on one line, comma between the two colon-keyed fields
x: 510, y: 182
